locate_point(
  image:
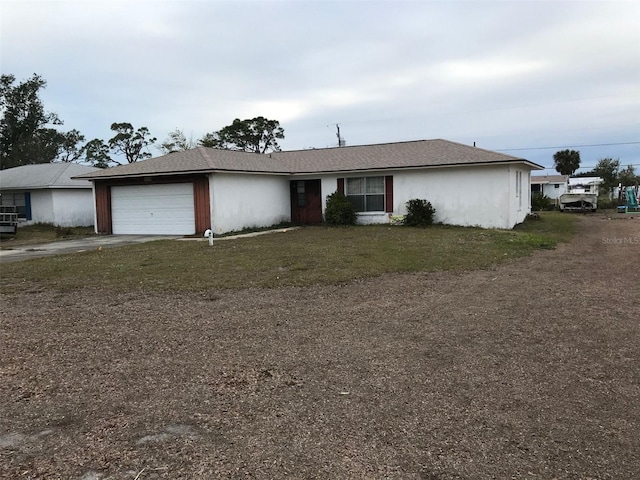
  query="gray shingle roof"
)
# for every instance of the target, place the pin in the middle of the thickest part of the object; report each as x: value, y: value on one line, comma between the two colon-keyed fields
x: 45, y: 175
x: 415, y: 154
x: 421, y: 153
x: 199, y: 159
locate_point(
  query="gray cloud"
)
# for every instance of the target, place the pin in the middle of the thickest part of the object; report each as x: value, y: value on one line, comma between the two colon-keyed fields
x: 503, y: 74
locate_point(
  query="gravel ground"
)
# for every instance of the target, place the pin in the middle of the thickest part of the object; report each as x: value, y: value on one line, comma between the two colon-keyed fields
x: 529, y: 370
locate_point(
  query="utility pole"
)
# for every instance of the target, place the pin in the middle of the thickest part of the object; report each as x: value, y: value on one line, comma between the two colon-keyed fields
x: 341, y: 142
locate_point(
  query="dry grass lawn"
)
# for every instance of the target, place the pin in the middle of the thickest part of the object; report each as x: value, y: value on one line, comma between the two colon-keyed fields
x: 526, y: 370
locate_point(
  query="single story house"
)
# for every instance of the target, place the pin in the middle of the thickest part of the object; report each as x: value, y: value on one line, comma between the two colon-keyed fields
x: 46, y: 193
x: 551, y: 186
x: 188, y: 192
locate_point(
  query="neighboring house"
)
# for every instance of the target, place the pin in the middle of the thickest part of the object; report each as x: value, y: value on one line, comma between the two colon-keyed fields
x: 188, y: 192
x: 46, y: 193
x: 551, y: 186
x: 584, y: 184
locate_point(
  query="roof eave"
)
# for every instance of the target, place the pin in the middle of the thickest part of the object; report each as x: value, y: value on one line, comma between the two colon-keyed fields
x: 45, y: 187
x: 534, y: 166
x: 139, y: 175
x: 183, y: 173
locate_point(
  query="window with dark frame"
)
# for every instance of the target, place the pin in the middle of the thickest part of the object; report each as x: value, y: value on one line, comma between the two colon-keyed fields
x: 300, y: 193
x: 17, y: 200
x: 366, y: 194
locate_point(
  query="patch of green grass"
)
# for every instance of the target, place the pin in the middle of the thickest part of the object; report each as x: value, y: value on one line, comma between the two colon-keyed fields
x: 307, y: 256
x: 255, y: 229
x: 42, y: 233
x: 555, y: 226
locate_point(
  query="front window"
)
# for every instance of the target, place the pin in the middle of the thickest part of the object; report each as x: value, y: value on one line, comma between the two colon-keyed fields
x: 17, y: 200
x: 366, y: 194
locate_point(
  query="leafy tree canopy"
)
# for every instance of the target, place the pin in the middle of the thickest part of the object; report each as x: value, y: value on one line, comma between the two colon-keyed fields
x: 177, y: 142
x: 25, y: 137
x: 130, y: 143
x: 97, y: 153
x: 608, y: 170
x: 257, y: 135
x: 69, y: 147
x: 27, y: 132
x: 627, y: 176
x: 566, y: 162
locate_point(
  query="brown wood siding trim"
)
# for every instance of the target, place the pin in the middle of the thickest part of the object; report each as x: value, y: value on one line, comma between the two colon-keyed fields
x: 151, y: 180
x: 388, y: 190
x: 103, y: 208
x: 341, y: 185
x: 202, y: 208
x: 201, y: 205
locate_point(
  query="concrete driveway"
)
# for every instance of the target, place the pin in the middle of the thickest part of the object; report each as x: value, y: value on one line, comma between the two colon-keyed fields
x: 72, y: 246
x: 10, y: 254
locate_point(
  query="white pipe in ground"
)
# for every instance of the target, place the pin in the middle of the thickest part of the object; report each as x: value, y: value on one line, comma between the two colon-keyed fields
x: 209, y: 234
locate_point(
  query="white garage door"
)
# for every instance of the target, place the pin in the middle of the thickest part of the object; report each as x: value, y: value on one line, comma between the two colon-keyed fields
x: 165, y: 209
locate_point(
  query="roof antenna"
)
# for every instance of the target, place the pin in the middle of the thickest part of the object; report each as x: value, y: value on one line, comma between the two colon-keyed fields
x: 341, y: 141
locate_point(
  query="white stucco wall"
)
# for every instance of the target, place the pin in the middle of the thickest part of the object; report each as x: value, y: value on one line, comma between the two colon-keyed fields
x: 73, y: 207
x: 62, y: 207
x: 519, y: 199
x: 41, y: 207
x: 552, y: 192
x: 470, y: 196
x: 482, y: 196
x: 242, y: 201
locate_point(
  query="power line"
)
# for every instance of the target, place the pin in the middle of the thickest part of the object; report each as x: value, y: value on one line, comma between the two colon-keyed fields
x: 568, y: 146
x: 590, y: 168
x: 594, y: 166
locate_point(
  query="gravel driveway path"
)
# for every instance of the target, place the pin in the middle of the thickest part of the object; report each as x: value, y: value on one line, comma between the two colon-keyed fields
x: 530, y: 370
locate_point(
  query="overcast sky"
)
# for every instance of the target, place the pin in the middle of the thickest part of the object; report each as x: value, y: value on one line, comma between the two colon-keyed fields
x: 512, y: 76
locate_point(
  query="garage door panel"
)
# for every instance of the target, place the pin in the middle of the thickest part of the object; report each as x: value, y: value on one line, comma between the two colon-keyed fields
x: 165, y: 209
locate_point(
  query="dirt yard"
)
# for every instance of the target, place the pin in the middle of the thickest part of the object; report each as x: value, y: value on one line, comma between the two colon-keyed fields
x: 530, y: 370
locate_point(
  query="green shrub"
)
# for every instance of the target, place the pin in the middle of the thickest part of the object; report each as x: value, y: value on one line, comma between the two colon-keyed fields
x: 604, y: 203
x: 339, y: 210
x: 420, y: 213
x: 539, y: 202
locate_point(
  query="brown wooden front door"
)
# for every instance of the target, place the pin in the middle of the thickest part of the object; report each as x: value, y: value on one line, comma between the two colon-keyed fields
x: 306, y: 201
